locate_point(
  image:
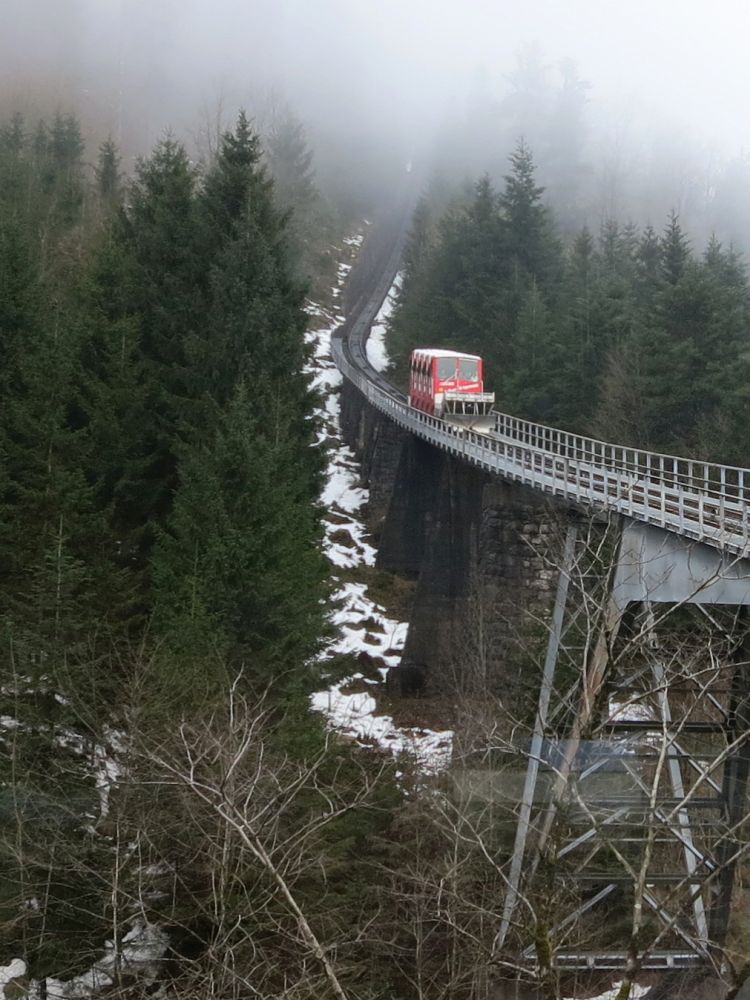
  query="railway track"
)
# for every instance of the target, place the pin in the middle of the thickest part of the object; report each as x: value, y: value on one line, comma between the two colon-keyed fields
x: 697, y: 500
x: 694, y: 500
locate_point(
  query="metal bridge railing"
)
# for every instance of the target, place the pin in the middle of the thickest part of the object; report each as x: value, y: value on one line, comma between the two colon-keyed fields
x: 699, y: 500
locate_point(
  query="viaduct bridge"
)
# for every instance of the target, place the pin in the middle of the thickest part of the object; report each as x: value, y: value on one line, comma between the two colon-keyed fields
x: 642, y: 801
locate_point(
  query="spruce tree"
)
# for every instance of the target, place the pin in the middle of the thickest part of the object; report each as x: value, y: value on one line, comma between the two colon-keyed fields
x: 529, y: 389
x: 165, y: 280
x: 19, y: 303
x: 417, y: 246
x: 530, y: 242
x: 64, y: 168
x: 13, y: 135
x: 256, y: 323
x: 564, y: 146
x: 237, y: 569
x: 648, y: 263
x: 404, y: 330
x: 675, y: 250
x: 59, y: 584
x: 463, y: 301
x: 586, y: 323
x: 290, y: 162
x: 690, y: 333
x: 237, y: 187
x: 108, y: 172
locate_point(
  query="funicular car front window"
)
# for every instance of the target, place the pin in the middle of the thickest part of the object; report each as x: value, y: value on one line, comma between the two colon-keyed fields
x: 469, y: 370
x: 446, y: 367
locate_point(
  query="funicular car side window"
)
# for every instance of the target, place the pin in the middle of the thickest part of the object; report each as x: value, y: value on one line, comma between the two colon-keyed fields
x: 446, y: 367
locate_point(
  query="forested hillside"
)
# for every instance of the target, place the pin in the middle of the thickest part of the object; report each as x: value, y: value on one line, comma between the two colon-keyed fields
x: 172, y: 812
x: 152, y: 342
x: 628, y: 334
x: 295, y: 704
x: 161, y: 584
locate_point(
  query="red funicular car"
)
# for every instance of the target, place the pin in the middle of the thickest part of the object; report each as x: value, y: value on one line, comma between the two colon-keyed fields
x: 450, y: 385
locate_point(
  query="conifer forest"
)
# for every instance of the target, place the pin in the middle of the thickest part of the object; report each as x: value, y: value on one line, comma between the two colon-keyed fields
x: 224, y: 772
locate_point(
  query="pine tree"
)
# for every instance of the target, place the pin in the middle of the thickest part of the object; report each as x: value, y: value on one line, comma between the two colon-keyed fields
x: 565, y: 142
x: 146, y: 293
x: 108, y: 172
x: 65, y: 168
x: 190, y: 294
x: 417, y: 246
x: 686, y: 347
x: 726, y: 266
x: 464, y: 293
x: 237, y: 571
x: 488, y: 256
x: 167, y: 286
x: 238, y: 186
x: 13, y: 135
x: 14, y: 166
x: 239, y: 547
x: 648, y: 260
x: 404, y: 332
x: 529, y: 390
x: 583, y: 332
x: 112, y: 391
x: 618, y: 246
x: 18, y: 300
x: 529, y: 237
x: 621, y: 411
x: 675, y: 250
x: 290, y: 163
x: 59, y: 584
x: 256, y: 324
x: 104, y: 329
x: 526, y: 108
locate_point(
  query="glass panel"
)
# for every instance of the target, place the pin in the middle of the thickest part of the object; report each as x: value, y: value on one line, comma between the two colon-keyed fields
x: 446, y: 367
x: 469, y: 370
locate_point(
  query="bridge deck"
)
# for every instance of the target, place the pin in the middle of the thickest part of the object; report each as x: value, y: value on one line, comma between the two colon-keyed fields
x: 697, y: 500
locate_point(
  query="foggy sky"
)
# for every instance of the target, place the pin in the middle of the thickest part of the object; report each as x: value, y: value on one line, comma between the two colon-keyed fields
x: 389, y: 68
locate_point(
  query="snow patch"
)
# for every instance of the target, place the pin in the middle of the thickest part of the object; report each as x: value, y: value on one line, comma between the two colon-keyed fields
x: 377, y: 353
x: 362, y: 627
x: 355, y: 715
x: 632, y: 710
x: 105, y: 766
x: 636, y: 992
x: 14, y: 970
x: 138, y: 956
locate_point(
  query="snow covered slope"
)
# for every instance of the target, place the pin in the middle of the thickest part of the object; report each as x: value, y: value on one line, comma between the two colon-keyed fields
x: 363, y: 628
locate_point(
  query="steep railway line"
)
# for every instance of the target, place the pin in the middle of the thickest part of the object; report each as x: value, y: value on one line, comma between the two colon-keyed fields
x: 692, y: 501
x: 697, y: 500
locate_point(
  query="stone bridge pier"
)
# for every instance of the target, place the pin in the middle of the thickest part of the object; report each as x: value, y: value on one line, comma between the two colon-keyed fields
x: 483, y: 552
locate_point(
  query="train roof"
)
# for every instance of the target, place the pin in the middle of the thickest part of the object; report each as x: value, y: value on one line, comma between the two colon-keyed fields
x: 439, y: 352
